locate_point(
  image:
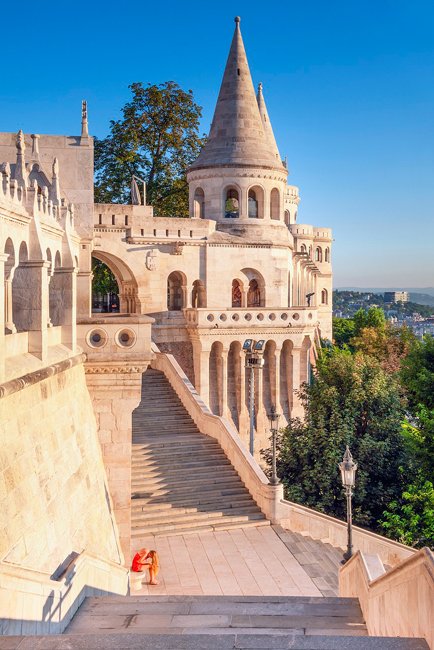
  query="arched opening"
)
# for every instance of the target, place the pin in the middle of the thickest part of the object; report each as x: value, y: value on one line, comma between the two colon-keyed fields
x: 21, y: 299
x: 303, y: 249
x: 8, y: 277
x: 105, y: 288
x: 324, y: 297
x: 287, y: 217
x: 327, y: 255
x: 255, y: 289
x: 286, y: 379
x: 310, y: 252
x: 237, y: 294
x: 253, y: 294
x: 269, y: 383
x: 55, y: 292
x: 199, y: 203
x: 256, y: 202
x: 318, y: 254
x: 274, y: 204
x: 232, y: 204
x: 198, y: 294
x: 176, y: 289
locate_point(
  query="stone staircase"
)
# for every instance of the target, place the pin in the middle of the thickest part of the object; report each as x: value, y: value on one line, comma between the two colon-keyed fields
x: 181, y: 479
x: 190, y: 622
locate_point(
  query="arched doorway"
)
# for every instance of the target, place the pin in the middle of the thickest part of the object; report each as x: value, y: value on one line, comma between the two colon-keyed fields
x: 253, y: 294
x: 105, y: 288
x: 176, y: 291
x: 199, y: 204
x: 237, y: 294
x: 198, y: 294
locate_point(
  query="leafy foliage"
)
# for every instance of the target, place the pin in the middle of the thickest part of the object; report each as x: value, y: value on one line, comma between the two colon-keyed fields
x: 156, y: 139
x: 410, y: 520
x: 103, y: 279
x: 351, y: 401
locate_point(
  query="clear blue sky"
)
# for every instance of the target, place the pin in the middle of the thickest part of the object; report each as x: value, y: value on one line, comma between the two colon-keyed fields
x: 349, y: 87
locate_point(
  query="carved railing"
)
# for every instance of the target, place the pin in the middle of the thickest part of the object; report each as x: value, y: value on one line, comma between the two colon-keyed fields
x: 256, y: 316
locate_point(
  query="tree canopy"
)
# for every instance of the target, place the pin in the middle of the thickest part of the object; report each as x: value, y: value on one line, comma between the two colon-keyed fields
x: 156, y: 139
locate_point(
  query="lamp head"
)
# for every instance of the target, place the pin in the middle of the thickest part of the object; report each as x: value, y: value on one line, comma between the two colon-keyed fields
x: 248, y: 345
x: 259, y: 345
x: 348, y: 469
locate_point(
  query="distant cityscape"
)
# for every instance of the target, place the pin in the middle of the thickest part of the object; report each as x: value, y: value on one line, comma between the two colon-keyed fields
x: 401, y: 307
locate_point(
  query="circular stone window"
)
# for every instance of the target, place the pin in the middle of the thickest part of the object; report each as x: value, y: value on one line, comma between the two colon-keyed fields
x: 210, y: 317
x: 248, y: 317
x: 125, y: 338
x: 284, y: 316
x: 223, y: 317
x: 272, y: 316
x: 296, y: 316
x: 96, y: 338
x: 235, y: 317
x: 260, y: 316
x: 309, y: 316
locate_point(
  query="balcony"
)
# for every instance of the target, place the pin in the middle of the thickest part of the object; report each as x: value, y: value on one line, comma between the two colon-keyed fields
x: 257, y: 317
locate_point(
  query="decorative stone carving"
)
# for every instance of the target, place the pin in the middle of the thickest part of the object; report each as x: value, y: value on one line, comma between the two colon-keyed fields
x: 152, y: 260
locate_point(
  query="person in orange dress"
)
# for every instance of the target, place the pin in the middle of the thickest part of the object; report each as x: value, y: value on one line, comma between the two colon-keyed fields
x: 145, y: 559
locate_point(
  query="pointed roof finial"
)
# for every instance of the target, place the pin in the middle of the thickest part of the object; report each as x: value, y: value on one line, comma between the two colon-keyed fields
x: 268, y: 129
x: 237, y: 135
x: 84, y: 123
x: 21, y: 174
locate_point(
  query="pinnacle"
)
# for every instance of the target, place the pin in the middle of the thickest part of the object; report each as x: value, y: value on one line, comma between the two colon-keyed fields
x: 237, y: 136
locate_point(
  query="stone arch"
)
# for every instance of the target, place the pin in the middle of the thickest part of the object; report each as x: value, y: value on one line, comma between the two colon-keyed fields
x: 269, y: 397
x: 303, y: 248
x: 50, y: 261
x: 127, y: 283
x: 199, y: 203
x: 255, y: 200
x: 287, y: 217
x: 324, y: 297
x: 176, y: 291
x: 237, y: 293
x: 318, y: 254
x: 232, y: 202
x: 327, y: 255
x: 256, y: 288
x: 216, y: 378
x: 275, y: 204
x: 198, y: 294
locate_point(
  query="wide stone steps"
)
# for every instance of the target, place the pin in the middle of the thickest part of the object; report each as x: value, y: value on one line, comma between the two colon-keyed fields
x: 181, y: 480
x: 225, y: 622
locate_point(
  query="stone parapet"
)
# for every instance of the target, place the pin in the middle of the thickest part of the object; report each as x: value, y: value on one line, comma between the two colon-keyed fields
x: 257, y: 318
x: 399, y: 602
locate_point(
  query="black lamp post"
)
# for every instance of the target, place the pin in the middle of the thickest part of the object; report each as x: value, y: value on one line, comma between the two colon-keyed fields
x: 254, y: 351
x: 274, y: 428
x: 348, y: 472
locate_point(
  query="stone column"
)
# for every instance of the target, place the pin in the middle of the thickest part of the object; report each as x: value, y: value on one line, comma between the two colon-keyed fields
x: 9, y: 322
x: 277, y: 378
x: 33, y: 306
x: 297, y: 408
x: 261, y: 416
x: 225, y: 383
x: 84, y: 294
x: 3, y: 259
x: 201, y: 369
x: 115, y: 390
x: 68, y: 305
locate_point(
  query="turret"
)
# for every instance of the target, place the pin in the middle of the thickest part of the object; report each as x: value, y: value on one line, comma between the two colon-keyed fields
x: 239, y: 179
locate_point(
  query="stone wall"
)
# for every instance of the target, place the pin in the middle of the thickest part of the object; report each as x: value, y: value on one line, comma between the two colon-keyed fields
x: 53, y: 492
x: 183, y: 353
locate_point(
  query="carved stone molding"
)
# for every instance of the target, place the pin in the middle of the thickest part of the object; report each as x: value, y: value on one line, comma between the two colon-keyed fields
x: 113, y: 370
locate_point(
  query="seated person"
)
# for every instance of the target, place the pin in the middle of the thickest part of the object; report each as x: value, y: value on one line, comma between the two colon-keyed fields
x: 145, y: 559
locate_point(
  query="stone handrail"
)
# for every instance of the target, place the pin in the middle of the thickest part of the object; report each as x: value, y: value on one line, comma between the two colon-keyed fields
x: 33, y: 603
x: 334, y: 531
x: 267, y: 496
x: 235, y: 318
x: 397, y: 603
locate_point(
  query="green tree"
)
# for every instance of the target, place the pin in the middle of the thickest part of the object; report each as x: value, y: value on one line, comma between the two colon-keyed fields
x: 417, y: 373
x: 410, y: 519
x: 103, y: 280
x: 343, y: 331
x: 353, y: 401
x: 156, y: 139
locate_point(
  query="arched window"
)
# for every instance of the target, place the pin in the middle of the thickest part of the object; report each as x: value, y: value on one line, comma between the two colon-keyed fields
x: 237, y: 294
x: 274, y: 204
x: 175, y: 291
x: 105, y: 288
x: 303, y: 249
x: 232, y: 204
x: 287, y: 217
x: 310, y: 252
x: 199, y: 204
x: 327, y: 255
x: 318, y: 254
x: 198, y: 294
x: 253, y: 294
x: 253, y: 205
x: 324, y: 297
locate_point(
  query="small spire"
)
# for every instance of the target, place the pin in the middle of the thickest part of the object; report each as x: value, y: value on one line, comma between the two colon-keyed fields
x: 55, y: 183
x: 35, y: 147
x: 237, y: 20
x: 268, y: 129
x: 20, y: 168
x: 84, y: 123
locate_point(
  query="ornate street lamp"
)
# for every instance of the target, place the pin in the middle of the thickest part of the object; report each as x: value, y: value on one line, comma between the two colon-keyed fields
x: 254, y: 351
x: 274, y: 428
x: 348, y: 473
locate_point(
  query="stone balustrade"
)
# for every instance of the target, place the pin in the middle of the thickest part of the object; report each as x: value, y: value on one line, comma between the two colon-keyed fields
x: 258, y: 317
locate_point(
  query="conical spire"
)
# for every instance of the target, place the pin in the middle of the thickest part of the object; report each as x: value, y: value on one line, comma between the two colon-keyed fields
x: 237, y: 136
x: 266, y: 123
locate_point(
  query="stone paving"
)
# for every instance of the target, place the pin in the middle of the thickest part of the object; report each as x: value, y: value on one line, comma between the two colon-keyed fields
x: 241, y: 561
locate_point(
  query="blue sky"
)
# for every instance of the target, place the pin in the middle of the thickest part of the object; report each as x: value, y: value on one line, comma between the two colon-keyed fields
x: 349, y: 88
